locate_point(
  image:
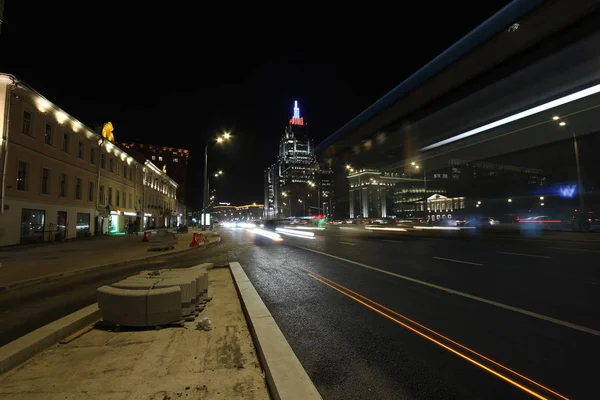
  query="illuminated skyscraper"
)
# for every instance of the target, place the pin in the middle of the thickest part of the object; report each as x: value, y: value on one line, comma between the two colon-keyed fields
x: 293, y: 185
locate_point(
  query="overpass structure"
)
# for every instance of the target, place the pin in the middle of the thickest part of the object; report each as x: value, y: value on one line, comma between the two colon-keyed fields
x: 526, y: 77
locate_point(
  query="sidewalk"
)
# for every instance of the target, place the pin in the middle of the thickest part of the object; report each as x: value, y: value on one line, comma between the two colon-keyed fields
x: 171, y: 363
x: 20, y: 265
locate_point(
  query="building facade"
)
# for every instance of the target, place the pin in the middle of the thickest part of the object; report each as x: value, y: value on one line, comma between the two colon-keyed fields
x: 437, y: 194
x: 170, y: 159
x: 62, y: 180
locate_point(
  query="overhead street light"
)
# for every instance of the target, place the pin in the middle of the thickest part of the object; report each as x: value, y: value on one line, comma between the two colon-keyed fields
x: 219, y: 139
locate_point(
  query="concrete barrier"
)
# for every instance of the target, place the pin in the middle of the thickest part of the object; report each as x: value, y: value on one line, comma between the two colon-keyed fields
x: 197, y: 277
x: 147, y: 299
x: 186, y: 292
x: 163, y: 306
x: 140, y: 307
x: 123, y: 306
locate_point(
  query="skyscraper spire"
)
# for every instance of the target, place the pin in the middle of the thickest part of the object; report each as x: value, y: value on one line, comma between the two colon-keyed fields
x: 296, y: 119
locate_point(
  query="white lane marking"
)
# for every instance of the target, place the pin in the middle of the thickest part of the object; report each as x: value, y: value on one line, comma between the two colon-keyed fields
x: 466, y: 295
x: 348, y: 243
x: 458, y: 261
x: 572, y: 249
x: 521, y: 254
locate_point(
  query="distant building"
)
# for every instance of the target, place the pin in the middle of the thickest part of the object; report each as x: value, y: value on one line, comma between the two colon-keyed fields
x: 459, y: 187
x: 294, y: 184
x: 172, y: 160
x: 248, y: 212
x: 64, y: 180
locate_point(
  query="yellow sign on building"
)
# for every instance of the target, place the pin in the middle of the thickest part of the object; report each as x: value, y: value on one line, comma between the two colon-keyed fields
x: 107, y: 132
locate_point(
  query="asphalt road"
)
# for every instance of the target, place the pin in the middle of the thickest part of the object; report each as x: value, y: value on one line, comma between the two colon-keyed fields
x: 394, y: 315
x: 529, y: 309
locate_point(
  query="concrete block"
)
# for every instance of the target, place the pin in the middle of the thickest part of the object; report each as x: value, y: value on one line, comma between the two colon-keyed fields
x: 164, y: 305
x: 186, y: 292
x: 205, y: 266
x: 144, y: 284
x: 194, y: 277
x: 122, y: 306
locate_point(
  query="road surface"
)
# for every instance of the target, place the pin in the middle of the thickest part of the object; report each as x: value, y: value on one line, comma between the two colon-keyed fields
x: 399, y: 316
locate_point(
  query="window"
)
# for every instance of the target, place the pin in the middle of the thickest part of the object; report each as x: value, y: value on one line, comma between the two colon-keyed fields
x: 48, y: 134
x: 45, y: 180
x: 90, y: 191
x: 175, y: 159
x: 92, y: 156
x: 101, y: 196
x: 124, y: 170
x: 65, y: 144
x: 63, y: 185
x: 26, y: 128
x: 80, y: 149
x: 111, y: 164
x: 159, y: 158
x: 78, y: 188
x: 118, y: 199
x: 153, y: 158
x: 22, y: 176
x: 131, y: 201
x: 110, y: 196
x: 103, y: 160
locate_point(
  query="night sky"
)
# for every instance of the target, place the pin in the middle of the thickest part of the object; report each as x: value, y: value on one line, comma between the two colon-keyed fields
x: 176, y: 75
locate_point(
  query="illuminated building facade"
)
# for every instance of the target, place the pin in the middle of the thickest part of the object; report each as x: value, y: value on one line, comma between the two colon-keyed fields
x: 376, y: 194
x: 64, y: 180
x: 173, y: 161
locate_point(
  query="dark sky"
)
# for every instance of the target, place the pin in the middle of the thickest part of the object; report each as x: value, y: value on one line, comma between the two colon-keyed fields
x: 176, y: 75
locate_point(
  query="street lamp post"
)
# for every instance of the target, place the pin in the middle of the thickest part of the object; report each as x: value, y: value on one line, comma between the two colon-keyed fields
x: 578, y: 165
x: 579, y: 180
x: 414, y: 164
x: 100, y: 146
x: 220, y: 139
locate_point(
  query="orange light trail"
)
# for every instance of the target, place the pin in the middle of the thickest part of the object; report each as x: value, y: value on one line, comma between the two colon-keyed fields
x: 357, y: 297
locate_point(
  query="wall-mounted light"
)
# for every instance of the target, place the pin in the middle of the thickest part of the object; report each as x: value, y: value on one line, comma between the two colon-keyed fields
x: 61, y: 117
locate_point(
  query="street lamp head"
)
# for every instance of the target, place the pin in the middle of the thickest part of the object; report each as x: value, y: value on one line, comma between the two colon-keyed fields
x: 220, y: 172
x: 216, y: 175
x: 563, y: 123
x: 220, y: 140
x: 226, y: 135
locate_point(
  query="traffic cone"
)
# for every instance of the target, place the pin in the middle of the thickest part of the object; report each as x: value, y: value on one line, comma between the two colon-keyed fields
x: 195, y: 240
x: 145, y: 238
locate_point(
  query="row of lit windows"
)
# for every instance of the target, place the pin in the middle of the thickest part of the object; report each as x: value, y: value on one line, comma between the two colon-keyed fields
x: 66, y: 146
